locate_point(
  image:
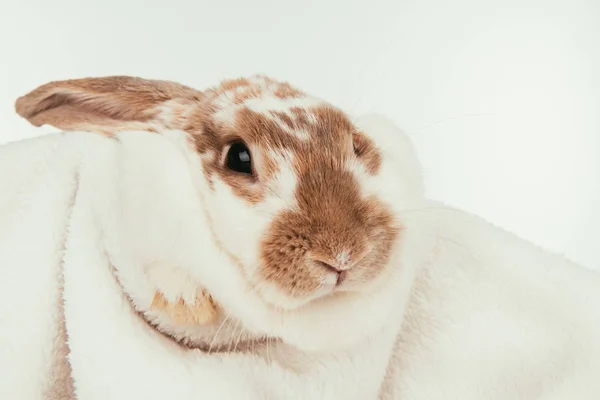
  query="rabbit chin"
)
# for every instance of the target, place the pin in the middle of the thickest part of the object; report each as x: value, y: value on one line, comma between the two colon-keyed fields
x: 278, y: 299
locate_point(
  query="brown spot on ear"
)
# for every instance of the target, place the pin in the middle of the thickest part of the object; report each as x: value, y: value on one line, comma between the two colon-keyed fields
x: 203, y: 311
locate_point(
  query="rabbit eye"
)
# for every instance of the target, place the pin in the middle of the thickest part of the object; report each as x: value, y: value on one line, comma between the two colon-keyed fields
x: 239, y: 159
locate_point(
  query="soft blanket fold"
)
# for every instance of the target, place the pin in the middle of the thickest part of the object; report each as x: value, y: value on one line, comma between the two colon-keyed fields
x: 39, y: 184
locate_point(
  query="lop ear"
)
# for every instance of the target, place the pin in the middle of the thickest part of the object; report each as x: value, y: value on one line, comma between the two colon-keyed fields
x: 108, y: 104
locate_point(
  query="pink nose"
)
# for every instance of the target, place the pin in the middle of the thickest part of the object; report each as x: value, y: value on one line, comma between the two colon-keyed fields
x: 332, y: 265
x: 338, y: 265
x: 341, y: 273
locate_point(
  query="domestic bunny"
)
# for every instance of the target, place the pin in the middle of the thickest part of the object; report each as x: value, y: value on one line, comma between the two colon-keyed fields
x: 188, y: 178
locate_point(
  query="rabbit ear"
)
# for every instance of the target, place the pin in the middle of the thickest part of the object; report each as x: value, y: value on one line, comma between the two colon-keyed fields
x: 107, y: 104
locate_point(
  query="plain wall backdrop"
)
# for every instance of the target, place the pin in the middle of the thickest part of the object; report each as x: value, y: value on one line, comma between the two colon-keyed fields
x: 501, y: 98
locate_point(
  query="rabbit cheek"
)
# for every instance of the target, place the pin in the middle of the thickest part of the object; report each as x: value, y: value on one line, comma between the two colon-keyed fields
x: 284, y: 261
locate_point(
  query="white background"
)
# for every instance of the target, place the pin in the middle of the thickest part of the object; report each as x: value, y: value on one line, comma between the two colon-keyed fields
x: 502, y: 98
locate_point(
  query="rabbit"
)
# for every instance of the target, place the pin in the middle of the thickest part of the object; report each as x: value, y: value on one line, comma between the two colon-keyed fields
x: 310, y: 279
x: 269, y: 223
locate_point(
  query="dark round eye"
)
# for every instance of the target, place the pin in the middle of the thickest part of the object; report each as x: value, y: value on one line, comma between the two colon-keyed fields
x: 238, y: 158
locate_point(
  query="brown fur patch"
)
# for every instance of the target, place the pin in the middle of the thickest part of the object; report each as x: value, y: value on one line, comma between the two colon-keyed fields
x: 301, y: 115
x: 331, y: 220
x: 264, y: 84
x: 232, y: 84
x: 203, y: 311
x: 285, y: 91
x: 286, y: 119
x: 247, y: 93
x: 242, y: 89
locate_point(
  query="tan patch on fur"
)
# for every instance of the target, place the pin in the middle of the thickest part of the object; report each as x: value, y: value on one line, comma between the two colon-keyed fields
x: 302, y: 116
x: 285, y: 90
x: 246, y: 93
x: 242, y: 89
x: 232, y: 84
x: 203, y: 311
x: 285, y: 119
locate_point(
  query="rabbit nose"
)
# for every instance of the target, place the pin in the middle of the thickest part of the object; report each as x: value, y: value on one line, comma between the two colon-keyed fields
x: 339, y: 264
x: 334, y: 267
